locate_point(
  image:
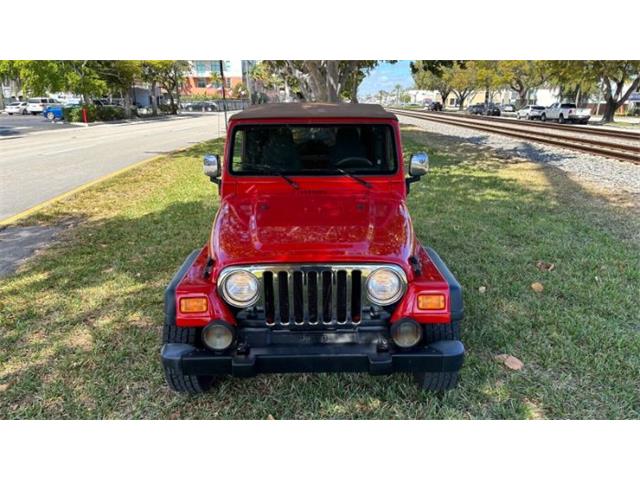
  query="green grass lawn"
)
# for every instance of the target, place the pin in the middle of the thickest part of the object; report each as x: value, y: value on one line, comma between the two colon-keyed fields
x: 80, y: 324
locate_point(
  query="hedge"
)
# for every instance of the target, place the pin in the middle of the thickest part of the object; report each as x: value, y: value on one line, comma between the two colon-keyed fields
x: 94, y: 113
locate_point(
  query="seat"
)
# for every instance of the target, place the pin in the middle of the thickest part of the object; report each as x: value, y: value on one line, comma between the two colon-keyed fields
x: 347, y: 144
x: 280, y: 151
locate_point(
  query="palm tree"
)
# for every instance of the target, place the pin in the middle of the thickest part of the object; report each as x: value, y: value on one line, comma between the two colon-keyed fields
x: 397, y: 88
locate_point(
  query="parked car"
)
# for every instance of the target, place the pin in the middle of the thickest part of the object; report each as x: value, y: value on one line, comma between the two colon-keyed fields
x: 37, y: 105
x: 312, y: 264
x: 435, y: 107
x: 566, y: 112
x: 489, y: 110
x: 477, y: 109
x: 530, y: 112
x: 201, y: 107
x: 19, y: 108
x: 54, y: 112
x: 508, y: 110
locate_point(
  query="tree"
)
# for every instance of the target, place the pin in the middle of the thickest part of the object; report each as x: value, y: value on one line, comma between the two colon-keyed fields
x: 78, y: 76
x: 434, y: 75
x: 522, y: 76
x: 487, y: 76
x: 170, y: 75
x: 120, y: 76
x: 240, y: 90
x: 397, y: 89
x: 463, y: 79
x: 617, y: 79
x: 323, y: 80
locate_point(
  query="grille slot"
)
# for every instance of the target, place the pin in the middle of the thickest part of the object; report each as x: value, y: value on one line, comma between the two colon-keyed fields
x: 330, y: 296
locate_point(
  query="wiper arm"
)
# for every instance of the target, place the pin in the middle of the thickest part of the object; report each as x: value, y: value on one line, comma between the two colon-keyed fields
x: 355, y: 177
x: 277, y: 171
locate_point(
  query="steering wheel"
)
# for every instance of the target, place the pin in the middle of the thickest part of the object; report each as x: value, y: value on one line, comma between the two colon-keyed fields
x: 354, y: 162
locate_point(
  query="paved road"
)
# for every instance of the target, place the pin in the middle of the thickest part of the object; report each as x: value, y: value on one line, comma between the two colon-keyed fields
x: 42, y: 165
x: 21, y: 125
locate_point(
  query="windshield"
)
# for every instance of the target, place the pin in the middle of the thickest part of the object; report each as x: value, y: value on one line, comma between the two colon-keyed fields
x: 313, y: 150
x: 537, y: 108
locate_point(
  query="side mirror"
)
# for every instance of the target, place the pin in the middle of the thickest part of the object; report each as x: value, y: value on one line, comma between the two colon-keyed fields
x: 212, y: 167
x: 419, y: 164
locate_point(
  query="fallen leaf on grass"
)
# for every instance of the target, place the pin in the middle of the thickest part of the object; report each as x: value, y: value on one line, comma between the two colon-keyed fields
x: 545, y: 266
x: 482, y: 289
x: 537, y: 287
x: 270, y: 417
x: 510, y: 361
x: 3, y: 387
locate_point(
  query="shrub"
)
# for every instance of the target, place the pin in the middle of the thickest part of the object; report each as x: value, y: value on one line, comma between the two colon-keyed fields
x: 94, y: 112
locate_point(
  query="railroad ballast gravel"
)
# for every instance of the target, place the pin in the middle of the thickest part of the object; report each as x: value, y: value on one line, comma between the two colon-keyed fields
x: 608, y: 173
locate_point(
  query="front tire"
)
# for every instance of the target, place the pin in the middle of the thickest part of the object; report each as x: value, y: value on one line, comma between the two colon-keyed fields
x: 436, y: 381
x: 191, y: 384
x: 51, y: 116
x: 543, y: 118
x: 561, y: 119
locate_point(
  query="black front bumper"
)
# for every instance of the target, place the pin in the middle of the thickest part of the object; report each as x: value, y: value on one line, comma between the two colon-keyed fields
x: 443, y: 356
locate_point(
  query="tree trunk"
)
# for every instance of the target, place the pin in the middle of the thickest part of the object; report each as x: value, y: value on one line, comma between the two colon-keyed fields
x: 353, y: 95
x: 126, y: 100
x: 609, y: 110
x: 332, y: 81
x: 444, y: 99
x: 154, y: 99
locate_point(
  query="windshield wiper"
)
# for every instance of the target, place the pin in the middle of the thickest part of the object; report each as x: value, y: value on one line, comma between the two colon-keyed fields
x: 277, y: 171
x: 355, y: 177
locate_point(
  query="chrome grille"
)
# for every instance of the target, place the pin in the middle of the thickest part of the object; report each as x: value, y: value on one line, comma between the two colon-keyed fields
x: 314, y: 295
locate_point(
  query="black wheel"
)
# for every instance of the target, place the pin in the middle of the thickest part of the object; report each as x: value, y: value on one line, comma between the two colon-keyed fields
x: 25, y: 112
x: 34, y: 113
x: 10, y: 113
x: 51, y: 116
x: 191, y: 384
x: 543, y: 118
x: 436, y: 381
x: 561, y: 119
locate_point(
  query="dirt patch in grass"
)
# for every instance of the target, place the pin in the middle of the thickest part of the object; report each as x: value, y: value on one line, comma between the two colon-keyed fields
x: 80, y: 325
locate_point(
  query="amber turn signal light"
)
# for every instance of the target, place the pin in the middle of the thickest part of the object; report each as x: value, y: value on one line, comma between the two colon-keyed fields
x: 194, y: 305
x: 431, y: 301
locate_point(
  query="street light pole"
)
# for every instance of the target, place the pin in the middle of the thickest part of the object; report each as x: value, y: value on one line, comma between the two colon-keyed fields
x: 224, y: 96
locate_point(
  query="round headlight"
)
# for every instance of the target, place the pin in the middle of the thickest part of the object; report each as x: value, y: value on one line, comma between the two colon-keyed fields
x: 240, y: 288
x: 406, y: 333
x: 384, y: 286
x: 218, y: 335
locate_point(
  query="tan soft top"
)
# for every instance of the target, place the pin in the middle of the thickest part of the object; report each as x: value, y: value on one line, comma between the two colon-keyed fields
x: 313, y: 110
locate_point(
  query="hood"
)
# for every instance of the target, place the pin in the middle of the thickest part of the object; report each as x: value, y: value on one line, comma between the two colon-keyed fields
x: 312, y: 226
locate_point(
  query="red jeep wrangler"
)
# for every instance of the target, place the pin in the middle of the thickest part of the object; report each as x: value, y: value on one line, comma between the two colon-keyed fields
x: 312, y: 264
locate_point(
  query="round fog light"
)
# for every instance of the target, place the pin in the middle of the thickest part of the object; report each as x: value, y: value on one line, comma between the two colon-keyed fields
x: 406, y: 333
x: 218, y: 335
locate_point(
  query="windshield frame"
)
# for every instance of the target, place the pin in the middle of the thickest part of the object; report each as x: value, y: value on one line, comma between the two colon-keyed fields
x: 322, y: 172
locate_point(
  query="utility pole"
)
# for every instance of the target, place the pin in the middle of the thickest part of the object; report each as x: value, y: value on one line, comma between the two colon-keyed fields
x: 224, y: 96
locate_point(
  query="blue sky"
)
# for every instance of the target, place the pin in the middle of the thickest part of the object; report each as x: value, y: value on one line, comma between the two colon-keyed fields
x: 385, y: 77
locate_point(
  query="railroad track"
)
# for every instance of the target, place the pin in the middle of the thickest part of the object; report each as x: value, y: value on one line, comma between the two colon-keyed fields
x: 527, y: 131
